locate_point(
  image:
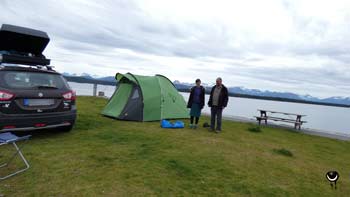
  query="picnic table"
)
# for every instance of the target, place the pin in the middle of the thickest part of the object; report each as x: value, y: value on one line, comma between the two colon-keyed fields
x: 280, y: 116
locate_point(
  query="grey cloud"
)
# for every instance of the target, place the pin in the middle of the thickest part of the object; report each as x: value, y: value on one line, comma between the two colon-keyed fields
x: 95, y: 29
x: 301, y: 76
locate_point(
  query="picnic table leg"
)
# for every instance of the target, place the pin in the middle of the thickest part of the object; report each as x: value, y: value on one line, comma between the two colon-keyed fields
x: 263, y: 116
x: 298, y: 122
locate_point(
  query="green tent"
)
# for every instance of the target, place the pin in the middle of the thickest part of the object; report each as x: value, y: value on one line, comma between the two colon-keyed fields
x: 145, y: 98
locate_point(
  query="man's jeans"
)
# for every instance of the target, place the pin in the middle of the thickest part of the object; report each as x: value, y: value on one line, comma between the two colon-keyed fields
x: 216, y: 113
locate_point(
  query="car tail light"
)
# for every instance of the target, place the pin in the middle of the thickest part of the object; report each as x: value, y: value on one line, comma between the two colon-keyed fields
x: 5, y: 96
x: 9, y: 127
x: 69, y: 95
x: 40, y: 125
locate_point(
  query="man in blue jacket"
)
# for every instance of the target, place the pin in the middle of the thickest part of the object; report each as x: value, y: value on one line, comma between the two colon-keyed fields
x: 217, y: 102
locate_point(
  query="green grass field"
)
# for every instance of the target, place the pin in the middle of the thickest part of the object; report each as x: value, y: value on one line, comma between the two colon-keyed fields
x: 106, y: 157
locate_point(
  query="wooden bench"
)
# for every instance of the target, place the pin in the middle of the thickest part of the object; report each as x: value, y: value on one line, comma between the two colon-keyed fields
x: 276, y: 116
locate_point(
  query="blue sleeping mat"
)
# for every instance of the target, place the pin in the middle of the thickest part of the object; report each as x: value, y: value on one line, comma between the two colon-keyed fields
x: 176, y: 125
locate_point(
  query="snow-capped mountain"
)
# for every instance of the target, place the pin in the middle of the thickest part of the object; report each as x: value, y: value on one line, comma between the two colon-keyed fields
x: 240, y: 90
x: 337, y: 99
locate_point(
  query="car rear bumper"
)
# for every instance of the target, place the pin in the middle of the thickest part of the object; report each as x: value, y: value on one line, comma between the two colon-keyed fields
x: 34, y: 122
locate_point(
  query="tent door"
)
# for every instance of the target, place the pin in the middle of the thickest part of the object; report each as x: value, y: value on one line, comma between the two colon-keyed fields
x: 133, y: 110
x: 117, y: 102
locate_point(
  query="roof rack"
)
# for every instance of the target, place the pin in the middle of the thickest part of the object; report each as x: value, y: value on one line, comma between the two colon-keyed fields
x: 25, y: 60
x: 39, y: 67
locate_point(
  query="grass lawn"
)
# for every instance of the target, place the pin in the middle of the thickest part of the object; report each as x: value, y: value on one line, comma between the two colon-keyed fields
x: 106, y: 157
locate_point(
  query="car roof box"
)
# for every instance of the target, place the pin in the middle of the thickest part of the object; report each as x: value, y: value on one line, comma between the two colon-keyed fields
x: 20, y: 45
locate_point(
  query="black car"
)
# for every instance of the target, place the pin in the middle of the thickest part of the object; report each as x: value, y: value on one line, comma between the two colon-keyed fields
x: 32, y: 95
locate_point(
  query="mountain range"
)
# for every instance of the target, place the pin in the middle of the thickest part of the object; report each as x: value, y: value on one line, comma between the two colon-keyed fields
x: 240, y: 91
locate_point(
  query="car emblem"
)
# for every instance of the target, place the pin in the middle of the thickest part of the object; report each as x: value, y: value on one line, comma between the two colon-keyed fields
x: 40, y: 94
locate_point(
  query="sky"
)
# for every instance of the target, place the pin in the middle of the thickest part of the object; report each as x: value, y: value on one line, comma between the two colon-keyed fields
x: 299, y: 46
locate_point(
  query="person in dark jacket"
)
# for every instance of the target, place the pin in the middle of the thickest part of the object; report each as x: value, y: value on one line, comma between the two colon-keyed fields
x: 196, y: 102
x: 217, y: 102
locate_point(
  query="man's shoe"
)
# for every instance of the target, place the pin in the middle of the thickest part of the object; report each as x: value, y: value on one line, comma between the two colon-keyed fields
x: 195, y: 126
x: 191, y: 126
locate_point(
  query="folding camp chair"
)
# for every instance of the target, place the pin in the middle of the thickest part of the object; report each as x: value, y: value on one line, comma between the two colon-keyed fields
x: 9, y: 138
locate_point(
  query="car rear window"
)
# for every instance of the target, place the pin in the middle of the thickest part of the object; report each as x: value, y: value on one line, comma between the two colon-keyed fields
x: 31, y: 80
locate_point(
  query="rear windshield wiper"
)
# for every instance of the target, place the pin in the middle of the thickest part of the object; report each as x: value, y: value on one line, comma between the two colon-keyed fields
x: 47, y: 87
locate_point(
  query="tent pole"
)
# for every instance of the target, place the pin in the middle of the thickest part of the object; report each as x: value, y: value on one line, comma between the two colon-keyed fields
x: 161, y: 102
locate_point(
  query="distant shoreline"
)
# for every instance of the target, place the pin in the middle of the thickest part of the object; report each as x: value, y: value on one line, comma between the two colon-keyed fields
x: 278, y: 99
x: 102, y: 82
